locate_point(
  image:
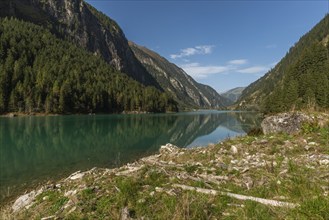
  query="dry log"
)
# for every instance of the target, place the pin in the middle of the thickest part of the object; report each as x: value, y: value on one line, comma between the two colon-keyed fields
x: 237, y: 196
x: 129, y: 171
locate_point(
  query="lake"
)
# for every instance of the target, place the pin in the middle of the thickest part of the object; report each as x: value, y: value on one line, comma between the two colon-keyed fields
x: 37, y: 149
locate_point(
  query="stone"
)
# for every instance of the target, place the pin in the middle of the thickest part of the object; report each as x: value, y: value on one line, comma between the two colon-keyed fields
x: 168, y: 149
x: 158, y: 189
x: 307, y: 147
x: 289, y: 123
x: 234, y: 149
x: 234, y: 161
x: 324, y: 162
x: 76, y: 175
x: 25, y: 200
x: 12, y: 115
x: 70, y: 193
x: 263, y: 141
x: 125, y: 214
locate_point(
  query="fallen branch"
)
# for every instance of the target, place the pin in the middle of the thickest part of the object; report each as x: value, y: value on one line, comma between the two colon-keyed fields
x: 214, y: 179
x: 129, y: 171
x: 237, y: 196
x: 161, y: 163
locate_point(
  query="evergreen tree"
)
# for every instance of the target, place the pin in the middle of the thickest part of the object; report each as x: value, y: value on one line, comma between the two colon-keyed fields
x: 41, y: 73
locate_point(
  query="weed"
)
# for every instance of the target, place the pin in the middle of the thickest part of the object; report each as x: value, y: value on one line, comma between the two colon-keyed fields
x: 253, y: 210
x: 308, y: 128
x: 314, y: 208
x: 155, y: 178
x: 87, y: 194
x: 128, y: 190
x: 55, y: 198
x: 255, y: 132
x: 58, y: 204
x: 190, y: 169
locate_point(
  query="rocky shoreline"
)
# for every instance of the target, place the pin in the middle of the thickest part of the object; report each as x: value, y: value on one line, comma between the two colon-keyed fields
x: 278, y: 175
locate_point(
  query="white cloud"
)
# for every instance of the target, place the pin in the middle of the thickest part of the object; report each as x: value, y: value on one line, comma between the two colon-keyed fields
x: 198, y: 71
x: 238, y: 62
x: 254, y: 69
x: 202, y: 50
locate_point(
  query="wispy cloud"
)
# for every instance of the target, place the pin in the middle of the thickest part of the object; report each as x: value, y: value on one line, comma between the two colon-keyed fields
x: 271, y: 46
x: 198, y: 71
x: 254, y: 69
x: 201, y: 50
x: 238, y: 62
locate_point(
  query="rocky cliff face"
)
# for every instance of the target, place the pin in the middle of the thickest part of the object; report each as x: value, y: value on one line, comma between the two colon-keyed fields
x: 177, y: 82
x: 77, y: 21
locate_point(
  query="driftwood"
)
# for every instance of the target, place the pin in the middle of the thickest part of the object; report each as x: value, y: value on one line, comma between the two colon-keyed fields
x: 161, y: 163
x: 129, y: 171
x: 237, y: 196
x: 214, y: 179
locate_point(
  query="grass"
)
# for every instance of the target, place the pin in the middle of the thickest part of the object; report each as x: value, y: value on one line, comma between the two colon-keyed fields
x: 278, y: 167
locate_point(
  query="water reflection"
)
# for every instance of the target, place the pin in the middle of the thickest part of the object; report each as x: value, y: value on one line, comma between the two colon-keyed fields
x: 40, y: 148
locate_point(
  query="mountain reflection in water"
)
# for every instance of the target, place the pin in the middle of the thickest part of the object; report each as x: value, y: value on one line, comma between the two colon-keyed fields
x: 37, y: 149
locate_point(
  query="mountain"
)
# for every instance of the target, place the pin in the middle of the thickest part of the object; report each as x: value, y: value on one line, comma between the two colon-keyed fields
x: 233, y: 94
x: 43, y: 73
x: 80, y: 23
x: 300, y: 80
x: 177, y: 82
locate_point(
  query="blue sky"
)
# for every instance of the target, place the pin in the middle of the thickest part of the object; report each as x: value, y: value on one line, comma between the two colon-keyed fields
x: 224, y: 44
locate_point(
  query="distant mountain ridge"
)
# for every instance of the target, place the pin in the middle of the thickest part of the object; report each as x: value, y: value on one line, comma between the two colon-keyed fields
x: 233, y: 94
x: 78, y: 22
x: 300, y: 80
x: 177, y: 82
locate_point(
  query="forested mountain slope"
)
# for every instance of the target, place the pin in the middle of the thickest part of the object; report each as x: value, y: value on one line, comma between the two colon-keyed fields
x: 41, y: 73
x: 177, y: 82
x: 300, y: 80
x: 80, y: 23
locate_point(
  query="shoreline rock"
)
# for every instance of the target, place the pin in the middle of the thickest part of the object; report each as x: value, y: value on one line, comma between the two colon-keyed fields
x: 290, y: 123
x: 26, y: 200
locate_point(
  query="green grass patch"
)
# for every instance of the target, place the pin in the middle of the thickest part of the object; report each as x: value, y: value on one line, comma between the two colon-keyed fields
x: 191, y: 169
x: 54, y: 198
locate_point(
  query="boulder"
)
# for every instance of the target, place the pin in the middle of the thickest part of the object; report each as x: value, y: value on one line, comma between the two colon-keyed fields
x: 25, y: 200
x: 285, y: 123
x: 169, y: 149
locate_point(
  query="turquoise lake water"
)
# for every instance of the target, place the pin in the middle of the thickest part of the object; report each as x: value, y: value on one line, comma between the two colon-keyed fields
x: 41, y: 148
